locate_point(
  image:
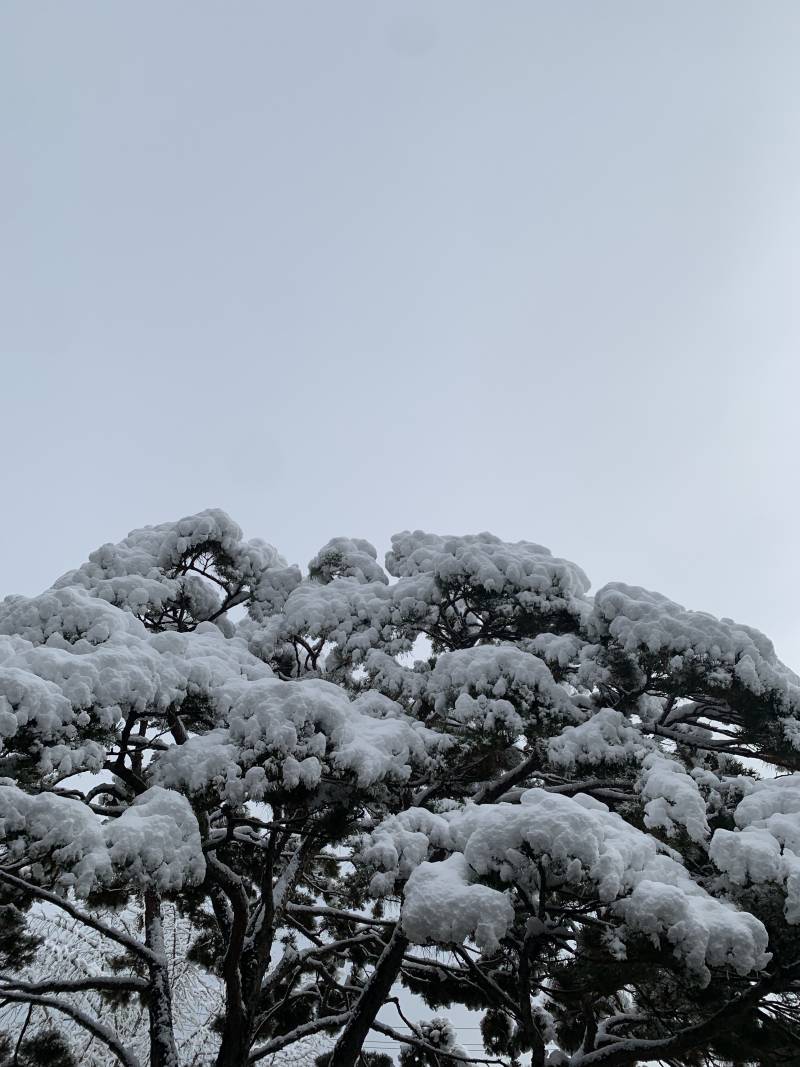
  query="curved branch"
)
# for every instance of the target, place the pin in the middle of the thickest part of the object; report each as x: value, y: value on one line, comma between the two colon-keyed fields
x: 277, y: 1043
x: 338, y: 913
x: 632, y: 1050
x: 417, y: 1042
x: 127, y: 942
x: 92, y: 1025
x: 490, y: 792
x: 99, y: 983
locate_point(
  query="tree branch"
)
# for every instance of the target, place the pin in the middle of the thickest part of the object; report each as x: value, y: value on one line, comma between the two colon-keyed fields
x: 99, y: 983
x: 299, y: 1032
x: 418, y: 1042
x: 97, y: 1029
x: 127, y: 942
x: 348, y: 1047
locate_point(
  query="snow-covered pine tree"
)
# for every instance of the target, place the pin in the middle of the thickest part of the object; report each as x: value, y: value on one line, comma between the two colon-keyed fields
x: 578, y: 815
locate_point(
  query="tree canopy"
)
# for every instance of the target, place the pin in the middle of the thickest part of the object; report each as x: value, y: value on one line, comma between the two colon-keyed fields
x: 462, y: 775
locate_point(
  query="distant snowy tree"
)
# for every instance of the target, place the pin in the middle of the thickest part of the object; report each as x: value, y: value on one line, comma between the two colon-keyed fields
x: 232, y: 840
x: 76, y: 953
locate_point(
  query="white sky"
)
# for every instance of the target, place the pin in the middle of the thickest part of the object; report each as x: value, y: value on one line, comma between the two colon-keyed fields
x: 346, y: 268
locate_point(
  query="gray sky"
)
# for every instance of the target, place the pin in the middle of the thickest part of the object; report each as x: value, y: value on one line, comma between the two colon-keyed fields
x: 346, y: 268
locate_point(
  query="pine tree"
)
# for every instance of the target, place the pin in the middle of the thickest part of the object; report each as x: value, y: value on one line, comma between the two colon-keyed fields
x: 465, y: 775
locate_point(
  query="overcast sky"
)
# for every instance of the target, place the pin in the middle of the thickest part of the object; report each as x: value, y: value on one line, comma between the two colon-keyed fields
x: 347, y: 268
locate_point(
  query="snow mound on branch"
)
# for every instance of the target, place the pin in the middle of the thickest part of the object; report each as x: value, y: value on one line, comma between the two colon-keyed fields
x: 65, y: 616
x: 575, y: 840
x: 401, y: 843
x: 394, y: 680
x: 205, y: 760
x: 485, y: 561
x: 673, y: 798
x: 28, y: 701
x: 46, y: 826
x: 316, y: 718
x: 754, y: 857
x: 58, y: 689
x: 766, y: 846
x: 608, y: 737
x: 143, y: 574
x: 207, y: 660
x: 443, y: 902
x: 155, y: 842
x: 495, y: 684
x: 346, y: 612
x: 520, y: 579
x: 774, y: 803
x: 345, y: 557
x: 638, y: 620
x: 159, y: 548
x: 666, y: 904
x: 293, y: 732
x: 271, y: 590
x: 556, y: 649
x: 441, y: 1033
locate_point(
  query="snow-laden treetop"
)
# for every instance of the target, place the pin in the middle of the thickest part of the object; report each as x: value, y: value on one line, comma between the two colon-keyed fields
x: 564, y: 777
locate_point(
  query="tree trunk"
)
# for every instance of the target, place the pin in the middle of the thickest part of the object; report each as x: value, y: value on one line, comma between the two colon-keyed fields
x: 249, y: 949
x: 163, y: 1052
x: 234, y: 1047
x: 348, y: 1048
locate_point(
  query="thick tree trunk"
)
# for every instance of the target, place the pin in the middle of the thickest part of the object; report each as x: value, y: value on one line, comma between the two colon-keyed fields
x: 234, y: 1047
x: 348, y: 1048
x: 163, y: 1052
